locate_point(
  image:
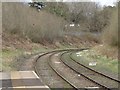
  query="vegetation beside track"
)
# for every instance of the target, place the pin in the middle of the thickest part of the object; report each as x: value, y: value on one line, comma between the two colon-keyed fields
x: 8, y: 56
x: 12, y: 59
x: 104, y: 64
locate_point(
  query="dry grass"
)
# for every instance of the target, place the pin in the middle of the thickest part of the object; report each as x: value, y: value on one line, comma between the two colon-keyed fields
x: 110, y: 34
x: 28, y: 22
x: 109, y: 38
x: 107, y: 50
x: 91, y: 37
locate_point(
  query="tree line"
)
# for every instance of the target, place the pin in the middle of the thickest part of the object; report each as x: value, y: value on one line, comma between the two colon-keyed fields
x: 90, y: 15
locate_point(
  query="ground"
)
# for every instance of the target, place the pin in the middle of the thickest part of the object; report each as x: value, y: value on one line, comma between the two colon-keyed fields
x: 15, y: 49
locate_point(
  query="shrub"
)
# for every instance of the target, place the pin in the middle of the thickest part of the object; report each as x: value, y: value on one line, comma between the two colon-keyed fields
x: 110, y: 34
x: 91, y: 37
x: 19, y: 18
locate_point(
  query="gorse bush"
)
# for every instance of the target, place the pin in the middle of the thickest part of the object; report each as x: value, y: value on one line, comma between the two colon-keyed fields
x: 110, y: 34
x: 19, y: 18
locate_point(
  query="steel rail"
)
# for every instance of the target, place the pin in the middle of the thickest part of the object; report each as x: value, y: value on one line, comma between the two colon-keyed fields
x: 105, y: 87
x: 76, y: 88
x: 54, y: 51
x: 70, y: 55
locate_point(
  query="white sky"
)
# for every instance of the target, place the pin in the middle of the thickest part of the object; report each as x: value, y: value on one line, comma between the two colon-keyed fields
x: 102, y: 2
x: 106, y: 2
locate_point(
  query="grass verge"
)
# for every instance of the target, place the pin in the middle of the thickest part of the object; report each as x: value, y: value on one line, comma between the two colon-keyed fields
x: 11, y: 59
x: 104, y: 64
x: 8, y: 57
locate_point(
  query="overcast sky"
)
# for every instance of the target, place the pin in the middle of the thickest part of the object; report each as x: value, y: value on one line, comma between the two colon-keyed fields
x: 106, y: 2
x: 102, y: 2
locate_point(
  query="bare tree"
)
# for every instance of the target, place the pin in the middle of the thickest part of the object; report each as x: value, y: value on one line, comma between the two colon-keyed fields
x: 78, y: 11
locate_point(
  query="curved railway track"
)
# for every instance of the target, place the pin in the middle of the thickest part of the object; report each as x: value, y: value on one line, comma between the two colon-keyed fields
x: 86, y: 84
x: 42, y: 68
x: 114, y: 79
x: 97, y: 77
x: 74, y: 66
x: 60, y: 74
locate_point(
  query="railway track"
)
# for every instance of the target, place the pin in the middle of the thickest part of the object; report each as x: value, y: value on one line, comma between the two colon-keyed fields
x: 71, y: 77
x: 50, y: 64
x: 114, y: 79
x: 49, y: 77
x: 97, y: 77
x: 72, y: 65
